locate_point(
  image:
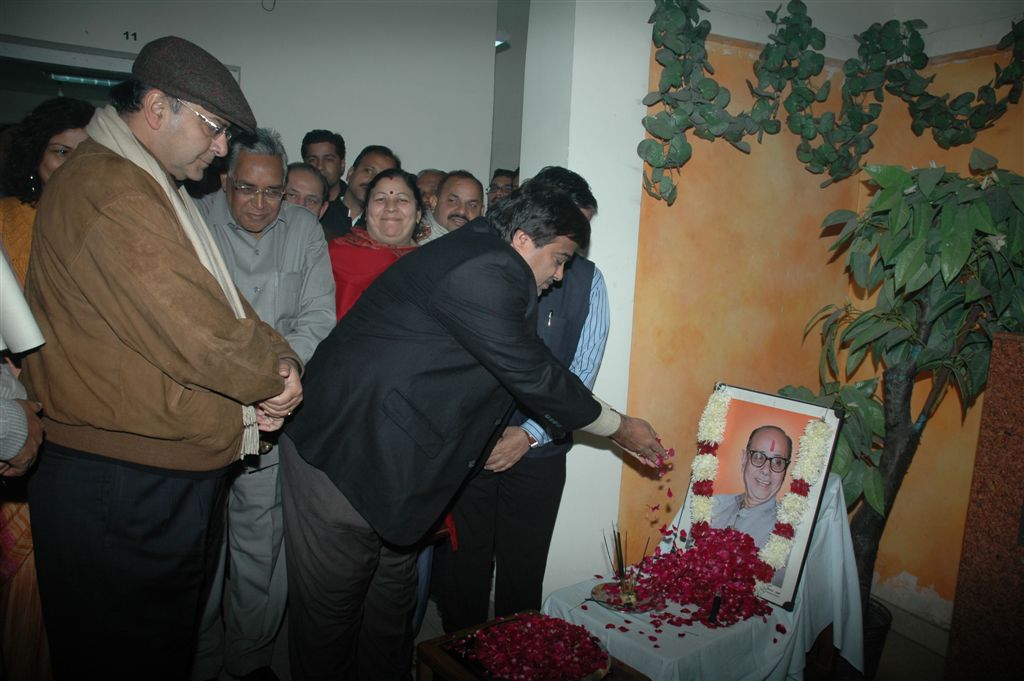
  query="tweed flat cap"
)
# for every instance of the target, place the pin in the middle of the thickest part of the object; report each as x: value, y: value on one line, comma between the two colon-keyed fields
x: 187, y: 71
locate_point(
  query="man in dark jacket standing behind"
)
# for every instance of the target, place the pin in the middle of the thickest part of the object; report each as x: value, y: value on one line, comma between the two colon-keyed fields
x: 404, y: 397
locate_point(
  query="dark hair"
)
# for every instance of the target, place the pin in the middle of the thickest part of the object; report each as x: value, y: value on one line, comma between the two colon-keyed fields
x: 376, y: 149
x: 318, y: 136
x: 504, y: 171
x: 571, y: 183
x: 543, y: 212
x: 126, y: 97
x: 409, y: 180
x: 459, y: 174
x: 29, y: 139
x: 313, y: 169
x: 789, y: 440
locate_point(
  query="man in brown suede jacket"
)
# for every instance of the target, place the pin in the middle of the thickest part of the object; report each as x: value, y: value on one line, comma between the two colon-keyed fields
x: 154, y: 378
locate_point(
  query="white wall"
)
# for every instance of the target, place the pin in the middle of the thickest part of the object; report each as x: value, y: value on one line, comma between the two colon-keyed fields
x: 416, y: 76
x: 513, y: 19
x: 586, y: 72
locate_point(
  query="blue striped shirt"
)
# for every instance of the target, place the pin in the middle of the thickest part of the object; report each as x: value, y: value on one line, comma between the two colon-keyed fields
x: 590, y: 348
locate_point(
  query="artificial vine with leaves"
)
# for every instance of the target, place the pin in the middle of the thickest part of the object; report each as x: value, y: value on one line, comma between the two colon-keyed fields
x: 889, y: 59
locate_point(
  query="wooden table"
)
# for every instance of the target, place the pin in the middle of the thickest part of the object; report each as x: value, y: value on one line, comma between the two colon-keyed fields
x: 435, y: 663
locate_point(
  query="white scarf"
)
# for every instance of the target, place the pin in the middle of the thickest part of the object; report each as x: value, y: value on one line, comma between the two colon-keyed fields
x: 110, y: 130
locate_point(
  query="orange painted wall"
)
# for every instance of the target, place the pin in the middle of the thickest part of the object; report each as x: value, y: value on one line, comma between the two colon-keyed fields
x: 728, y: 277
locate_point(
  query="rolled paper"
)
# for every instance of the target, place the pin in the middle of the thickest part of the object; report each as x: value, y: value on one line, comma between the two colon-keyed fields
x: 18, y: 328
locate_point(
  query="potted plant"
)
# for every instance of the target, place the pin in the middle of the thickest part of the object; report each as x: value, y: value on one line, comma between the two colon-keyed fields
x: 945, y: 256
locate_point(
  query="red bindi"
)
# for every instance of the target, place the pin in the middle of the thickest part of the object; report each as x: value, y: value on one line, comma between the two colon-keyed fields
x: 772, y: 448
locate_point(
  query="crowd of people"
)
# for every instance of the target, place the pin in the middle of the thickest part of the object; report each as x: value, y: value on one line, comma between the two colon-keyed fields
x: 270, y: 393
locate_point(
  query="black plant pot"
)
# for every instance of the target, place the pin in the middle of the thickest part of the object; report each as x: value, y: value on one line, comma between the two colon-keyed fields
x: 877, y: 621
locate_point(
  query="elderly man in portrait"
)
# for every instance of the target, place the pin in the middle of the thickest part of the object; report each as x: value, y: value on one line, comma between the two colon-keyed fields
x: 764, y: 462
x: 459, y: 199
x: 155, y: 378
x: 277, y: 256
x: 306, y: 187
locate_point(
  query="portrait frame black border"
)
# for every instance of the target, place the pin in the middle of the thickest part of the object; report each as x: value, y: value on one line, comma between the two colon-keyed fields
x: 783, y: 595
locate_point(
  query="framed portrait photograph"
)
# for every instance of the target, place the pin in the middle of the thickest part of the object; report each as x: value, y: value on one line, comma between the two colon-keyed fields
x: 760, y: 468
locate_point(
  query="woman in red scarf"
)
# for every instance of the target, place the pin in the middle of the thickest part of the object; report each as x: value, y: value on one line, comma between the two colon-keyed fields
x: 394, y: 209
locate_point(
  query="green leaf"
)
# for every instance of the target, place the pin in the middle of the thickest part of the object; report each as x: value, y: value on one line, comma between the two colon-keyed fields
x: 975, y: 291
x: 799, y: 392
x: 679, y: 151
x: 659, y: 126
x: 651, y: 151
x: 955, y: 236
x: 860, y: 263
x: 874, y: 490
x: 889, y: 176
x: 652, y: 98
x: 817, y: 316
x: 854, y: 359
x: 928, y: 178
x: 823, y: 91
x: 853, y: 482
x: 899, y: 215
x: 843, y: 457
x: 886, y: 199
x: 708, y: 88
x: 742, y: 145
x: 910, y: 261
x: 1017, y: 194
x: 979, y: 217
x: 981, y: 161
x: 923, y: 275
x: 866, y: 333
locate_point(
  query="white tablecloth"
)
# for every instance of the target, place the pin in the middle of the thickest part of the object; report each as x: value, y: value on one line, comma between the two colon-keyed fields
x: 751, y: 650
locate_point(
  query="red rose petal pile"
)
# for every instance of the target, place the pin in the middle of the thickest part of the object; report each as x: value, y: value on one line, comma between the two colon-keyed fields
x: 535, y: 647
x: 722, y: 562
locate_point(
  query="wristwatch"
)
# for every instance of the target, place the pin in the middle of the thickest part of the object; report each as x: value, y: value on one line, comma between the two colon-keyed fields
x: 529, y: 438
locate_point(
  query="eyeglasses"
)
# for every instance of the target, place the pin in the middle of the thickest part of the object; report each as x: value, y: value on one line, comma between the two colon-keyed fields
x: 777, y: 463
x: 311, y: 202
x: 249, y: 191
x: 499, y: 189
x: 213, y: 128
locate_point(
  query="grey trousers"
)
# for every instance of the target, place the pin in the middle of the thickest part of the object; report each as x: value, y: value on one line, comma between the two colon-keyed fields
x: 246, y: 605
x: 352, y: 596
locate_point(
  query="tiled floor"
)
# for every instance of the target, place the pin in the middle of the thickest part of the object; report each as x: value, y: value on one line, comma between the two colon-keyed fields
x: 905, y: 660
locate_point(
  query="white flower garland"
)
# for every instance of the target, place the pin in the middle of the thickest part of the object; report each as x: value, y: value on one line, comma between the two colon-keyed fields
x: 810, y: 458
x: 711, y: 428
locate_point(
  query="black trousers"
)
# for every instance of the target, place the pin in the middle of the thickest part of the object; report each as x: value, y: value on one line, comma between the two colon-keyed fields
x: 504, y: 523
x: 351, y: 597
x: 124, y: 556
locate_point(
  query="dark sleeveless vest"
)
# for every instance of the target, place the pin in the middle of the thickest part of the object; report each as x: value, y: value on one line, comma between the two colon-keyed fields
x: 561, y: 313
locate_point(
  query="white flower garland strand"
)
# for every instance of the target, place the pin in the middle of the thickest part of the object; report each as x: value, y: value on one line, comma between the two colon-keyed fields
x: 815, y: 445
x: 811, y: 455
x: 711, y: 427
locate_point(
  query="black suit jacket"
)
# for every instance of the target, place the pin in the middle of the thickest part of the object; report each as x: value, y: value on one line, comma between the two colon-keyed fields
x: 401, y: 399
